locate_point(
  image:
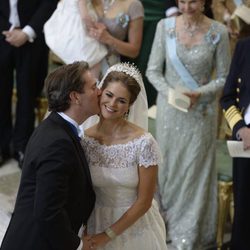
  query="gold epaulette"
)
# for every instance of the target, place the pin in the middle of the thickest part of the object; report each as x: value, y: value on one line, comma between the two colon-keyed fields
x: 232, y: 116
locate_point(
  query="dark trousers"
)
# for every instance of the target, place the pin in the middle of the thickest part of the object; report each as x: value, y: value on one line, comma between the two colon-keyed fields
x: 25, y: 66
x: 241, y: 184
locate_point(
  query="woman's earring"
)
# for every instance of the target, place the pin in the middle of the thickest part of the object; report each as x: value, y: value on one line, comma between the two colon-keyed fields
x: 202, y: 8
x: 125, y: 116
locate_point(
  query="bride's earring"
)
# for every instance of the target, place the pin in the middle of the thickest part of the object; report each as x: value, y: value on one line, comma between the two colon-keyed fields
x: 125, y: 116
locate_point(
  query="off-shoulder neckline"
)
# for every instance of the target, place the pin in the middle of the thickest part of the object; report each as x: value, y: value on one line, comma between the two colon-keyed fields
x: 143, y: 135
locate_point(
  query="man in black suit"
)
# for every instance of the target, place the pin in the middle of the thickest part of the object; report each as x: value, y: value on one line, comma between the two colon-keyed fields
x: 55, y: 196
x: 24, y: 55
x: 236, y: 107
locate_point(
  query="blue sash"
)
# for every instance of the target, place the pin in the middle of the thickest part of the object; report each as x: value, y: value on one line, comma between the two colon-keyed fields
x: 176, y: 62
x: 238, y: 2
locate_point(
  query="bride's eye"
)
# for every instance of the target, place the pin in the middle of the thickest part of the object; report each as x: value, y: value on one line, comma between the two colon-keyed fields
x: 123, y: 101
x: 109, y: 94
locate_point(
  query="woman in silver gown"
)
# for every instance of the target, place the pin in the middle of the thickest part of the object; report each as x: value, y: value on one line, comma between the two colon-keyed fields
x: 186, y: 51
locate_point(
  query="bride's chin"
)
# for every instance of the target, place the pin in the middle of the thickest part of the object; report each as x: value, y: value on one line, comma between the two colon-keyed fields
x: 106, y: 115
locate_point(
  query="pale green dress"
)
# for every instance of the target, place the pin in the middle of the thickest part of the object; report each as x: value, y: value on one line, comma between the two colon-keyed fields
x: 187, y: 177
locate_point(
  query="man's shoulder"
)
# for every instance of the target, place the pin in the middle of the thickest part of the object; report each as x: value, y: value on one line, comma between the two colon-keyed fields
x: 244, y: 42
x: 50, y: 129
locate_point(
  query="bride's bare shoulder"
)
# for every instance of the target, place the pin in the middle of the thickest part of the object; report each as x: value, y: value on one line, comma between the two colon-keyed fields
x: 135, y: 131
x: 91, y: 132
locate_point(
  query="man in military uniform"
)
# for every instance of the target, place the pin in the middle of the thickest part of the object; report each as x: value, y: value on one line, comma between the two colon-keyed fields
x: 236, y: 107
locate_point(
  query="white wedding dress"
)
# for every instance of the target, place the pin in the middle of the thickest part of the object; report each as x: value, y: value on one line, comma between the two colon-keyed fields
x: 114, y: 172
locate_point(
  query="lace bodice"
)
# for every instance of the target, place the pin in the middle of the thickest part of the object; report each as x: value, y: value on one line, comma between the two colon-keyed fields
x: 114, y: 168
x: 114, y: 172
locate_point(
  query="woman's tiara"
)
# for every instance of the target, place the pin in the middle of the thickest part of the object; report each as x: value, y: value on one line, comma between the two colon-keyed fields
x: 127, y: 68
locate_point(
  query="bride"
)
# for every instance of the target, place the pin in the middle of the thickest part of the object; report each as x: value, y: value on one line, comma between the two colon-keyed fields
x: 123, y: 160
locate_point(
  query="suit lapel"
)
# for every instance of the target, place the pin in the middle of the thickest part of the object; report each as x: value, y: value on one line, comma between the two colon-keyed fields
x: 83, y: 159
x: 65, y: 126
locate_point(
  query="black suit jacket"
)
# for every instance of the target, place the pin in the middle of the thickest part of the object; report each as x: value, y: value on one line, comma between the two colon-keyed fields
x: 55, y: 196
x: 236, y: 93
x: 33, y: 13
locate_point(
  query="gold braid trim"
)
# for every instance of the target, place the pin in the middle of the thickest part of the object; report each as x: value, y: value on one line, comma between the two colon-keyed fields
x: 233, y: 116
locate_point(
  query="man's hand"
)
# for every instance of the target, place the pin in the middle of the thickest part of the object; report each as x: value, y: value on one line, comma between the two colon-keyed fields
x: 87, y: 243
x: 16, y: 37
x: 94, y: 241
x: 244, y: 134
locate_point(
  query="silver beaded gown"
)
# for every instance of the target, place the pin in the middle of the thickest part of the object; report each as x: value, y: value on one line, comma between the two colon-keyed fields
x: 187, y: 177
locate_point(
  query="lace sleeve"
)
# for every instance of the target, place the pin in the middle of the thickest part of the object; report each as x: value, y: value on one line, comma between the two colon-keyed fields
x: 149, y: 153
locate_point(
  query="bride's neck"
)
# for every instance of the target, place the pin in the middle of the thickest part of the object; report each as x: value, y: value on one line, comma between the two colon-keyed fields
x: 111, y: 127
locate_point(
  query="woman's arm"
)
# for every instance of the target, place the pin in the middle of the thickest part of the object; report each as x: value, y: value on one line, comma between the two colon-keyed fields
x: 222, y: 63
x: 130, y: 48
x: 223, y: 14
x: 220, y: 11
x: 83, y: 8
x: 157, y: 58
x: 86, y: 18
x: 146, y: 190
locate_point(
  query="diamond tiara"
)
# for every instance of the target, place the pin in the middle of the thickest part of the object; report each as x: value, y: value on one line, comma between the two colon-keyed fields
x: 127, y: 68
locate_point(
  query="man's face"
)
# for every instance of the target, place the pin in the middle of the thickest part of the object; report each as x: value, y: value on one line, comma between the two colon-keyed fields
x: 90, y: 97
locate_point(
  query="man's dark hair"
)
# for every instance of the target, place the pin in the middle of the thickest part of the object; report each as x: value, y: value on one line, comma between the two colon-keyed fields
x: 60, y: 83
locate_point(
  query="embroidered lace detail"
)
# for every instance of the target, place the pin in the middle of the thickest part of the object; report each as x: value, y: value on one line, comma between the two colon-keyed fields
x: 114, y: 173
x: 147, y: 226
x: 142, y: 151
x: 213, y: 36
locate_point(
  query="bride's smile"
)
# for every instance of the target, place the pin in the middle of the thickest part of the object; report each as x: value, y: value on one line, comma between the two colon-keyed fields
x: 110, y: 109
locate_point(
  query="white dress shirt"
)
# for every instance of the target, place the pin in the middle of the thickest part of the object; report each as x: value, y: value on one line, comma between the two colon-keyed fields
x: 15, y: 21
x: 247, y: 115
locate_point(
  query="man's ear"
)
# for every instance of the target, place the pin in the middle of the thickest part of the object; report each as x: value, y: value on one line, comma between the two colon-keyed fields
x: 74, y: 97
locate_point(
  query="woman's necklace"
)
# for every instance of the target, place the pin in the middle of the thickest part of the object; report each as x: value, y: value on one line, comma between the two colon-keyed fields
x: 106, y: 5
x: 191, y: 30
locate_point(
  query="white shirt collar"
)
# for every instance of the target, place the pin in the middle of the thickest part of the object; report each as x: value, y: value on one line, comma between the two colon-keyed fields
x: 80, y: 131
